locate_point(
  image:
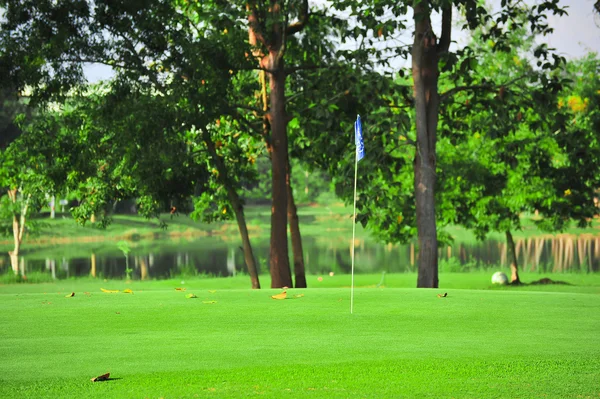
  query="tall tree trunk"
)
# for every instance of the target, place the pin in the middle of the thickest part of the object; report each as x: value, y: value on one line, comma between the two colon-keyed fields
x: 512, y: 259
x: 425, y: 56
x: 238, y: 209
x: 299, y: 274
x: 279, y: 260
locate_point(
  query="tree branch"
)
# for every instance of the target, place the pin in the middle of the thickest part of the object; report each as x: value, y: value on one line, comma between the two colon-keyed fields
x: 302, y: 20
x: 444, y: 43
x: 256, y: 34
x: 293, y: 69
x: 249, y: 108
x: 458, y: 89
x: 488, y: 87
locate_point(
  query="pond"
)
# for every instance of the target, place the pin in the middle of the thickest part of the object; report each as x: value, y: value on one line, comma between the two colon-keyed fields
x: 222, y: 256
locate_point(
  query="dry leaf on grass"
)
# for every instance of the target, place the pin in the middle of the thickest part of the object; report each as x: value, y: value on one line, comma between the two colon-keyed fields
x: 191, y: 296
x: 127, y: 291
x: 442, y: 295
x: 103, y: 377
x: 280, y: 296
x: 72, y: 294
x: 109, y: 291
x: 209, y: 302
x: 298, y: 295
x: 179, y: 289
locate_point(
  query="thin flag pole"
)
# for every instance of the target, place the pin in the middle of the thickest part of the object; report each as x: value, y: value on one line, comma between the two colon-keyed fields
x: 353, y: 234
x: 360, y: 153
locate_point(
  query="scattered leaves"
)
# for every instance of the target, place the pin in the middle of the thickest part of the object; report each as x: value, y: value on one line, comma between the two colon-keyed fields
x: 283, y: 295
x: 103, y: 377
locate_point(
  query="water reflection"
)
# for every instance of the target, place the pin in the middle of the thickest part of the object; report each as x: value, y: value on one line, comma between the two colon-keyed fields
x: 214, y: 256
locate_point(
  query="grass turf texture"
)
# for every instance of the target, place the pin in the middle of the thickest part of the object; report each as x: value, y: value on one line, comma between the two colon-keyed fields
x: 400, y: 342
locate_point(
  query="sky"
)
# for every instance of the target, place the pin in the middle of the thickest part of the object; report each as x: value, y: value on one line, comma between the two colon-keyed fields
x: 574, y: 35
x: 578, y: 33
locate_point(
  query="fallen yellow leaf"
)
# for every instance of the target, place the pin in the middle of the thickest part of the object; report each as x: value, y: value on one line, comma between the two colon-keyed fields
x: 180, y: 289
x: 280, y: 296
x: 298, y: 295
x: 191, y: 296
x: 109, y: 291
x: 70, y: 295
x: 209, y: 302
x: 127, y: 291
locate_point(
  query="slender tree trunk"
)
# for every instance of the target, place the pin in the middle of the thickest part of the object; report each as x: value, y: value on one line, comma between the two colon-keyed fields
x: 18, y: 222
x: 238, y: 209
x: 93, y: 265
x: 425, y: 75
x: 279, y: 260
x: 299, y: 274
x: 512, y: 259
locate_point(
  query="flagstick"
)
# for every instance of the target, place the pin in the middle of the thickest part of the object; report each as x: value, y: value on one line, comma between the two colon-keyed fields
x: 353, y: 233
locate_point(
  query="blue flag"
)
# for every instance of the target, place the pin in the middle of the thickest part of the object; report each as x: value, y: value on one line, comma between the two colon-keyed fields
x: 358, y: 139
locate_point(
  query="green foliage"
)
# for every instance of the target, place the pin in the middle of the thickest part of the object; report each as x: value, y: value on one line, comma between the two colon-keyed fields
x: 575, y: 132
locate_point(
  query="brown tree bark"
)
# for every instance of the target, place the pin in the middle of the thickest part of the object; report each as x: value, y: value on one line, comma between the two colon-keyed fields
x: 279, y: 260
x: 299, y: 273
x: 512, y: 259
x: 425, y: 71
x: 238, y: 210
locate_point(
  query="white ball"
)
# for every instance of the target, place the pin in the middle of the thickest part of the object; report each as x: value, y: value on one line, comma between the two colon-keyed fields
x: 499, y: 278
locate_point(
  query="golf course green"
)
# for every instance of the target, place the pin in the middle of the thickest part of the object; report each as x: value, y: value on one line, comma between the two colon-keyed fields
x: 539, y: 341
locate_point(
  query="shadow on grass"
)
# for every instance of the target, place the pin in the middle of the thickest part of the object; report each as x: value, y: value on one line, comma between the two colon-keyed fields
x: 542, y: 281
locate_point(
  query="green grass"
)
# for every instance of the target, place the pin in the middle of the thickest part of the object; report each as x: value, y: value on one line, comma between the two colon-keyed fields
x: 525, y: 342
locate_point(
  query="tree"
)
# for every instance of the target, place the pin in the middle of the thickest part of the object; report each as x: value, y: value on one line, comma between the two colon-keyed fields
x: 29, y: 169
x: 500, y: 166
x: 430, y: 55
x: 269, y: 32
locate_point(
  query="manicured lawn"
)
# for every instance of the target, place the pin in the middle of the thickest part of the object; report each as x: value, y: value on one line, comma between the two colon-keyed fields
x: 400, y: 342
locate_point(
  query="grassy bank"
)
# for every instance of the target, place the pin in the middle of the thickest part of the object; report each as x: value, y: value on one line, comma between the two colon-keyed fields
x: 400, y: 342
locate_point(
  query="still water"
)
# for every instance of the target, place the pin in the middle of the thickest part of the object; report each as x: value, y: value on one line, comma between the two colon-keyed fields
x: 223, y: 257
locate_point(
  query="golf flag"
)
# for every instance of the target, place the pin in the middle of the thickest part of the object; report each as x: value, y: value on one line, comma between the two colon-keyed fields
x: 360, y: 154
x: 358, y: 139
